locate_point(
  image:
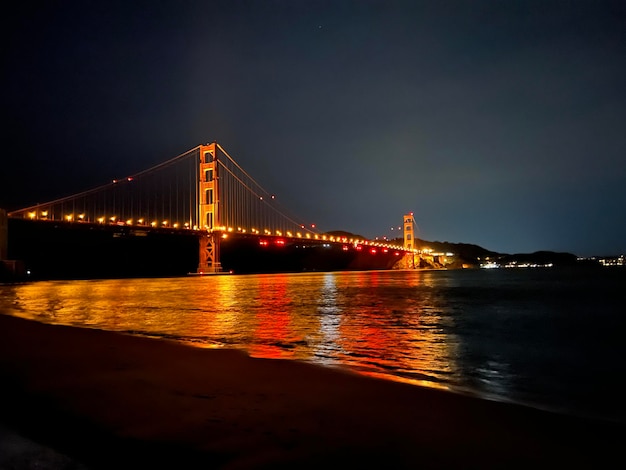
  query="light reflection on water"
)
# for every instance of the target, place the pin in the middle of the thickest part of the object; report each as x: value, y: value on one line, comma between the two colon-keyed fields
x: 372, y: 322
x: 546, y: 337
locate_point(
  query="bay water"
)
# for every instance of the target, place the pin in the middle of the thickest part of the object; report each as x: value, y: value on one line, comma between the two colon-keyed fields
x: 547, y: 337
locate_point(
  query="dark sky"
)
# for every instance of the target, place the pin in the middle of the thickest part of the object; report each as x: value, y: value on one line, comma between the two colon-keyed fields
x: 499, y: 123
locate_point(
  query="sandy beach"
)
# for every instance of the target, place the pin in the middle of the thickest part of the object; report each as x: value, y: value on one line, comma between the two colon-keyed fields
x: 109, y: 400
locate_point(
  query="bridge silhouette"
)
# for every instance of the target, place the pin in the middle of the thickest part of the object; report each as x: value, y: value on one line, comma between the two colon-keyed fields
x: 203, y: 191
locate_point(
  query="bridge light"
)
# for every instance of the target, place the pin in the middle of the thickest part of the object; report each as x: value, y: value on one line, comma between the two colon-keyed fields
x: 186, y: 224
x: 69, y: 217
x: 81, y: 216
x: 164, y: 223
x: 129, y: 222
x: 279, y: 233
x: 153, y: 223
x: 289, y: 234
x: 112, y: 219
x: 176, y: 225
x: 140, y: 221
x: 32, y: 215
x: 273, y: 197
x: 298, y: 234
x: 100, y: 220
x: 308, y: 235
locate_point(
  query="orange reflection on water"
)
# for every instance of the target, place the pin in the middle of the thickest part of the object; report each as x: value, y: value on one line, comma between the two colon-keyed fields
x: 273, y: 320
x: 386, y: 338
x: 216, y: 314
x: 387, y: 323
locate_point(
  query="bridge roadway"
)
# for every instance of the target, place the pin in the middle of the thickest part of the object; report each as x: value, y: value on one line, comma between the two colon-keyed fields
x: 81, y: 250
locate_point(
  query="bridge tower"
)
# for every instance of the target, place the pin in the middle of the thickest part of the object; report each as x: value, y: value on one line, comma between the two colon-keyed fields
x: 208, y: 204
x: 409, y: 240
x: 409, y: 234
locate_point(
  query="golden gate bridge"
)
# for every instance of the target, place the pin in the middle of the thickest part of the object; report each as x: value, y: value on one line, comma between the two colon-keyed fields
x: 205, y: 191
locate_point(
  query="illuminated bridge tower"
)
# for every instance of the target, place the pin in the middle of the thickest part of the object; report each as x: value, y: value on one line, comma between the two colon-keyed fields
x: 409, y: 234
x: 409, y: 241
x: 208, y: 209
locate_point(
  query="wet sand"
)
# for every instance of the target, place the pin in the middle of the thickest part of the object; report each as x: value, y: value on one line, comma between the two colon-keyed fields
x: 110, y: 400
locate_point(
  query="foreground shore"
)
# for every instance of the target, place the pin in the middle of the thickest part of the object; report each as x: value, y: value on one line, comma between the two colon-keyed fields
x: 110, y: 400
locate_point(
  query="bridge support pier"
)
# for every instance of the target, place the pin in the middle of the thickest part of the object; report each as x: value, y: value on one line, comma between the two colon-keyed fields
x: 10, y: 270
x: 209, y: 254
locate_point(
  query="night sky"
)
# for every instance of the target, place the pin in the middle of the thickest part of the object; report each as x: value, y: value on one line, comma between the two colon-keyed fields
x: 499, y: 123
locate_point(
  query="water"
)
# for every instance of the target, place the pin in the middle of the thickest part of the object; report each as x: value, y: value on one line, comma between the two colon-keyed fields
x: 551, y: 338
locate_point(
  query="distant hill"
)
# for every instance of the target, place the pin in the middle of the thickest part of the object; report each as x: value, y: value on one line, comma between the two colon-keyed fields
x: 473, y: 255
x: 466, y: 251
x: 469, y: 254
x: 342, y: 233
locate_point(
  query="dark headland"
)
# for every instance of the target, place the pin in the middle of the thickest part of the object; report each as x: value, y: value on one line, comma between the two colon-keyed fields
x: 110, y: 400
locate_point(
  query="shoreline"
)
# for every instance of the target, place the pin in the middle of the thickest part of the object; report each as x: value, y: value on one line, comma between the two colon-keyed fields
x: 422, y: 383
x: 103, y: 398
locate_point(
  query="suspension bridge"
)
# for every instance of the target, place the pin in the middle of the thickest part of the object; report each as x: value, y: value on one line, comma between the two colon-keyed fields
x: 205, y: 196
